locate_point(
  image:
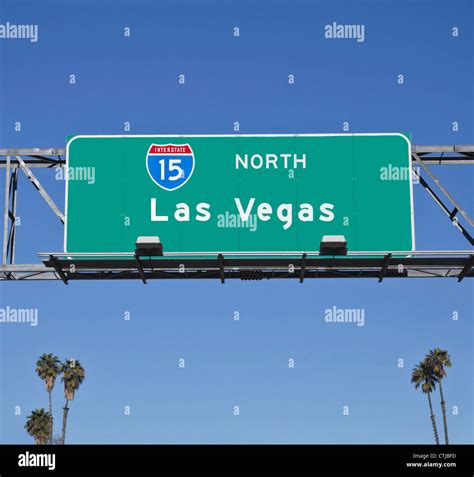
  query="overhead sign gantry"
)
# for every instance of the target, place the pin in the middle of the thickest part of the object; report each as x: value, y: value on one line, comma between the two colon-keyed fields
x: 117, y: 185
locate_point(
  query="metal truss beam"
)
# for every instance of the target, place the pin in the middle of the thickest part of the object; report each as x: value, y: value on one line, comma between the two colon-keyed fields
x: 457, y: 207
x: 427, y: 264
x: 449, y: 213
x: 36, y: 183
x: 38, y: 157
x: 459, y: 155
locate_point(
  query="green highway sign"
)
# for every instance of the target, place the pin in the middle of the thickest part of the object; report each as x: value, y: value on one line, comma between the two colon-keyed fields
x: 239, y: 193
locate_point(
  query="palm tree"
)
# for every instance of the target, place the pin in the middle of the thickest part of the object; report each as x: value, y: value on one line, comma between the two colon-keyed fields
x: 422, y: 375
x: 73, y: 376
x: 439, y: 360
x: 38, y: 425
x: 48, y: 368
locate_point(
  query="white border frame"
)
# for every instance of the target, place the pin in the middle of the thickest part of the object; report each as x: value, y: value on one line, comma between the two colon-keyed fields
x: 86, y: 136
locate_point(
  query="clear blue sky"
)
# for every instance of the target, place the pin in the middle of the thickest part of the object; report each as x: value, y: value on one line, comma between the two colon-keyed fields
x: 135, y: 363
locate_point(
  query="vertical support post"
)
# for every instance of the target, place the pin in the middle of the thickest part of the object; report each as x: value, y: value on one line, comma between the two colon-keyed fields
x: 6, y: 211
x: 12, y: 235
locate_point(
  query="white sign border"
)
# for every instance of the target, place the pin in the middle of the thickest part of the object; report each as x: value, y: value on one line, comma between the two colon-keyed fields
x: 86, y: 136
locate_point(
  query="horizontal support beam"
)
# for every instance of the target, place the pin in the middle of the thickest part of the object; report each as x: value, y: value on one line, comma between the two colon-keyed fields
x: 51, y: 163
x: 22, y: 276
x: 433, y: 148
x: 272, y: 253
x: 243, y: 269
x: 59, y: 151
x: 240, y: 274
x: 34, y: 163
x: 257, y: 263
x: 33, y: 151
x: 448, y: 160
x: 26, y: 267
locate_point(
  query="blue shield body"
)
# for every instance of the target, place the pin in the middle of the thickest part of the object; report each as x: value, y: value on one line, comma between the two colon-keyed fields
x: 170, y: 166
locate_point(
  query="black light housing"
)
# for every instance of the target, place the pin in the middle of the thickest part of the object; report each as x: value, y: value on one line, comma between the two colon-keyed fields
x: 148, y: 246
x: 333, y: 245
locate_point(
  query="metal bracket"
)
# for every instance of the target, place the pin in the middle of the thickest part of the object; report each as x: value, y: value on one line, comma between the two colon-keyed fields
x: 57, y: 267
x: 220, y: 258
x: 303, y: 267
x: 385, y: 265
x: 140, y: 268
x: 466, y: 269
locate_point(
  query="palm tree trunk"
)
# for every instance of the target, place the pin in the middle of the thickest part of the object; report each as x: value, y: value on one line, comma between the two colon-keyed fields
x: 65, y: 411
x: 443, y: 408
x: 435, y: 430
x: 51, y: 414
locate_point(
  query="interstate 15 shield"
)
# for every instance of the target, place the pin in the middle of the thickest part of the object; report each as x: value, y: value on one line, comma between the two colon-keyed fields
x: 170, y: 166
